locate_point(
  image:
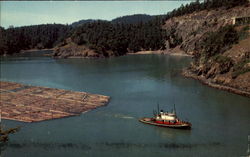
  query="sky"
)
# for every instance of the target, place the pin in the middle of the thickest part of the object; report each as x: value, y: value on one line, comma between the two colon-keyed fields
x: 21, y: 13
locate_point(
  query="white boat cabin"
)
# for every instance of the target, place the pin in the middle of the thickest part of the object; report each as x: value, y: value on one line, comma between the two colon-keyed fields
x: 166, y: 116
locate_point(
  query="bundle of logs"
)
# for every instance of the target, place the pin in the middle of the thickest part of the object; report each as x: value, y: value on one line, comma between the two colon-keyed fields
x: 33, y: 104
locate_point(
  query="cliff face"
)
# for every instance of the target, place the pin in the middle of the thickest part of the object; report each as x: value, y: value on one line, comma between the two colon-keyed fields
x: 191, y: 28
x: 224, y: 64
x: 228, y: 71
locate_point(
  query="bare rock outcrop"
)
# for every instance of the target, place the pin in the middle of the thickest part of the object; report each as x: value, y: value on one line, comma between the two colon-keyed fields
x: 191, y: 28
x: 69, y: 49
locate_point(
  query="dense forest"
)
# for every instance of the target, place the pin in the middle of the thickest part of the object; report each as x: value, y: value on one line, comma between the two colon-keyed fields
x: 120, y: 38
x: 125, y: 35
x: 28, y: 37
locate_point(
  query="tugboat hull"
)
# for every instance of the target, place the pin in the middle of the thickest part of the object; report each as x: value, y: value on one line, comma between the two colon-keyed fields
x: 152, y: 121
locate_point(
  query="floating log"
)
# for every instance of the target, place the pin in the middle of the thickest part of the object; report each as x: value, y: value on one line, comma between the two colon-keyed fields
x: 33, y: 104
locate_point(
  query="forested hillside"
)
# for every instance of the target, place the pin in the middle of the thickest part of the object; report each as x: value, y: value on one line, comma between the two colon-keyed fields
x: 12, y: 40
x: 107, y: 38
x: 120, y: 38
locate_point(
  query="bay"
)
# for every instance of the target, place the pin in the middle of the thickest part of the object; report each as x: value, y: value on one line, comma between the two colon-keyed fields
x: 136, y: 83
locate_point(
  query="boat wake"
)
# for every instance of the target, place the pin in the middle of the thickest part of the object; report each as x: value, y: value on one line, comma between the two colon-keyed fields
x: 121, y: 116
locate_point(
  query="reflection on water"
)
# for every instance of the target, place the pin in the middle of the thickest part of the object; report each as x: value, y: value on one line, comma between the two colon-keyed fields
x: 117, y: 145
x: 171, y: 133
x: 2, y: 148
x: 220, y: 119
x: 48, y: 146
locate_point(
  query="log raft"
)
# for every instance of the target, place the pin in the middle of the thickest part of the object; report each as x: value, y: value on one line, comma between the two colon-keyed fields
x: 27, y: 103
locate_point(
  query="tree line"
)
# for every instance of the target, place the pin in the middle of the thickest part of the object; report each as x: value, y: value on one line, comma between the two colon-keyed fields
x: 206, y: 5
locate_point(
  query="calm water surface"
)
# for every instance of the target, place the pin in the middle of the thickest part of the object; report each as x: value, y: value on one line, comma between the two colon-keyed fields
x: 221, y: 120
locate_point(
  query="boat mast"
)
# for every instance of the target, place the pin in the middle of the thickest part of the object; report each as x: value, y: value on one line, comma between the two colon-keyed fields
x: 174, y: 110
x: 158, y: 108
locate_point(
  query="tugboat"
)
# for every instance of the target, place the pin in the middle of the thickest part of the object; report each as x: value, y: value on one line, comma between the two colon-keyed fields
x: 166, y: 119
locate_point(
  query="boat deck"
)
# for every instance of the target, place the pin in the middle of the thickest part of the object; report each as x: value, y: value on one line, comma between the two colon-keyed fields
x: 33, y: 104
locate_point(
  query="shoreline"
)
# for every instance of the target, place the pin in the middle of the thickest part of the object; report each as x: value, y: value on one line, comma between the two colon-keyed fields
x: 189, y: 74
x: 185, y: 72
x: 146, y: 52
x: 34, y: 50
x: 161, y: 52
x: 22, y: 52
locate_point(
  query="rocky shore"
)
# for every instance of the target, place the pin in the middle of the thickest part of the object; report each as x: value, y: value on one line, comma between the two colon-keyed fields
x: 173, y: 52
x: 209, y: 82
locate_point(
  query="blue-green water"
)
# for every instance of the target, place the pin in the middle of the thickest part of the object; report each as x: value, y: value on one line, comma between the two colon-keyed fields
x: 221, y: 120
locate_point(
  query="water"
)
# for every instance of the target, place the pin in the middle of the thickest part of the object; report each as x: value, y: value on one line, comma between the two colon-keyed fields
x: 135, y: 83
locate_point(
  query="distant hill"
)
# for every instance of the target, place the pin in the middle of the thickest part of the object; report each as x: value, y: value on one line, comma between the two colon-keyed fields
x: 80, y: 22
x: 131, y: 19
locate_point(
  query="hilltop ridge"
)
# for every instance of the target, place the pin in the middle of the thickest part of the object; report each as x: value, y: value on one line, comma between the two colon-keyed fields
x: 128, y: 19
